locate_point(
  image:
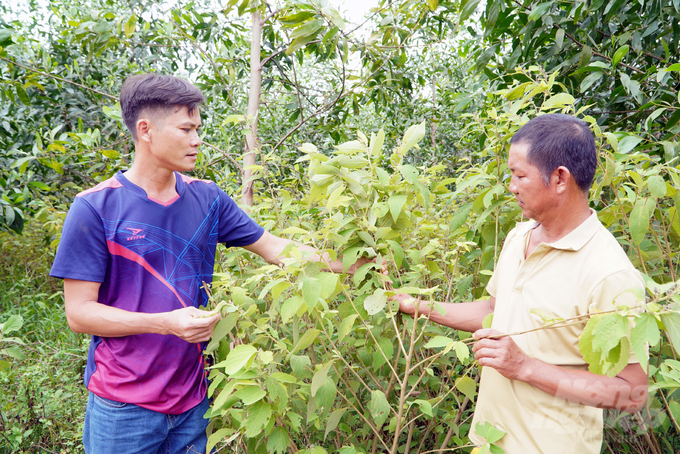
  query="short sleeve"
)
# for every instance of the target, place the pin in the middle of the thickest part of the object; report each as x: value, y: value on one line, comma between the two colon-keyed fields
x: 236, y: 227
x: 613, y: 291
x: 82, y: 253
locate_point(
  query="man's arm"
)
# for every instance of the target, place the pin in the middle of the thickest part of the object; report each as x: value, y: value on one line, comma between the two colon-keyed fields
x: 626, y: 392
x: 462, y: 316
x: 270, y: 247
x: 86, y: 315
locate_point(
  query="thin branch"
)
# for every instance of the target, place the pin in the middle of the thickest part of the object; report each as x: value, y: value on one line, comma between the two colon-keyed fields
x: 226, y: 154
x: 59, y: 78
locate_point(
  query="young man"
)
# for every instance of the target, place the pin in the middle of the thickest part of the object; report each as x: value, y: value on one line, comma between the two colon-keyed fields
x: 134, y: 253
x: 536, y: 387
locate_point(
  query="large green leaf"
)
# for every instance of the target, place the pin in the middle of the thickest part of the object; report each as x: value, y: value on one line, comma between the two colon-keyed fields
x: 237, y: 358
x: 379, y: 407
x: 639, y: 219
x: 645, y: 333
x: 671, y: 323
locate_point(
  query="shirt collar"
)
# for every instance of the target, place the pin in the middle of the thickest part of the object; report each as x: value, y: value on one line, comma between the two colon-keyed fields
x: 575, y: 239
x: 578, y: 237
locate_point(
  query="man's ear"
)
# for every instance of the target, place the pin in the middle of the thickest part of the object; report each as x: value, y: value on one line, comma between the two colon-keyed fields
x: 562, y: 178
x: 144, y: 126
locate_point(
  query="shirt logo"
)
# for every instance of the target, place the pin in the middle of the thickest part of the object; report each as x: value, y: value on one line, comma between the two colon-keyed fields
x: 135, y: 234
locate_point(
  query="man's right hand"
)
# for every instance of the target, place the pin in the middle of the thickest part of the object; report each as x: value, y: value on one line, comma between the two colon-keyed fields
x: 190, y: 324
x: 407, y: 303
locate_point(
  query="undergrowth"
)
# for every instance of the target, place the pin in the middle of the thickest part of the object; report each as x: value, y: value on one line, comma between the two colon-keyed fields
x: 42, y: 397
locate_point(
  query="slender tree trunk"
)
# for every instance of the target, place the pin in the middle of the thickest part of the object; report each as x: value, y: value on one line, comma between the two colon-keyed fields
x: 253, y: 108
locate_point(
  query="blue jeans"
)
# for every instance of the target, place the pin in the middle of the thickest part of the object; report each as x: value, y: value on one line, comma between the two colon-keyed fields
x: 114, y: 427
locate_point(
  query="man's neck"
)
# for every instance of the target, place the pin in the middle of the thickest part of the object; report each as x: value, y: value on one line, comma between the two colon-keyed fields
x: 158, y: 183
x: 563, y: 222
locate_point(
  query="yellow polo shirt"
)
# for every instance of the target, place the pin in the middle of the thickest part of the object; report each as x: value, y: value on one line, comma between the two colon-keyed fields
x: 581, y: 273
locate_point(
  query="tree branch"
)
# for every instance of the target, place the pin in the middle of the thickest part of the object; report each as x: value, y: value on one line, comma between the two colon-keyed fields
x: 59, y: 78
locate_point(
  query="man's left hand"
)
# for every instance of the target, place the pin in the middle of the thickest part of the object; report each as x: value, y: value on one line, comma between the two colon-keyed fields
x: 500, y: 353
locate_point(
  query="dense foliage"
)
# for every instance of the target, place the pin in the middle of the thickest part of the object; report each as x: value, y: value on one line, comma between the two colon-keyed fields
x: 306, y: 360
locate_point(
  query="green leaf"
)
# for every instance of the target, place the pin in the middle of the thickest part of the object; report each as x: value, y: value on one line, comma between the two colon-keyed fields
x: 237, y: 358
x: 467, y: 386
x: 468, y: 9
x: 650, y: 119
x: 130, y: 26
x: 397, y: 251
x: 320, y: 377
x: 671, y: 322
x: 586, y: 55
x: 460, y: 216
x: 331, y: 13
x: 412, y: 136
x: 290, y: 307
x: 538, y: 11
x: 585, y: 345
x: 425, y: 406
x: 278, y: 441
x: 221, y: 330
x: 23, y: 96
x: 590, y: 79
x: 628, y: 144
x: 609, y: 331
x: 14, y: 352
x: 13, y: 323
x: 376, y: 302
x: 489, y: 432
x: 462, y: 351
x: 327, y: 282
x: 657, y: 186
x: 383, y: 353
x: 396, y: 203
x: 311, y: 292
x: 309, y: 28
x: 645, y: 332
x: 218, y: 436
x: 333, y: 421
x: 639, y: 219
x: 488, y: 320
x: 610, y: 168
x: 559, y: 100
x: 258, y: 417
x: 305, y: 341
x: 619, y: 54
x: 346, y: 326
x: 250, y: 394
x: 379, y: 407
x: 438, y: 342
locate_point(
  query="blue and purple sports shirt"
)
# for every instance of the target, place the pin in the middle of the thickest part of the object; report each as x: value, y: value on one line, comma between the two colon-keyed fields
x: 149, y: 257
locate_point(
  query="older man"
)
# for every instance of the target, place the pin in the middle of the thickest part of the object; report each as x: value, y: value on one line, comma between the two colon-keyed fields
x: 536, y: 386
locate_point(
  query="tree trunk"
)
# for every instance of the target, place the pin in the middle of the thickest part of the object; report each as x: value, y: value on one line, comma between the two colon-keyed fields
x: 253, y: 108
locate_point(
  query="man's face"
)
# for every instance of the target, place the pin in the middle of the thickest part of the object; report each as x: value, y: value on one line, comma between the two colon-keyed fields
x: 174, y: 138
x: 534, y: 197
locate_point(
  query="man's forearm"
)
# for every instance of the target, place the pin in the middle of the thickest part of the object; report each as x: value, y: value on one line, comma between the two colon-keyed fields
x: 625, y: 392
x: 91, y: 317
x: 86, y: 315
x: 463, y: 316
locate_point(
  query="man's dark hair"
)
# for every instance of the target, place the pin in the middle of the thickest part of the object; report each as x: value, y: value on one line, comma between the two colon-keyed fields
x: 156, y: 92
x: 554, y: 140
